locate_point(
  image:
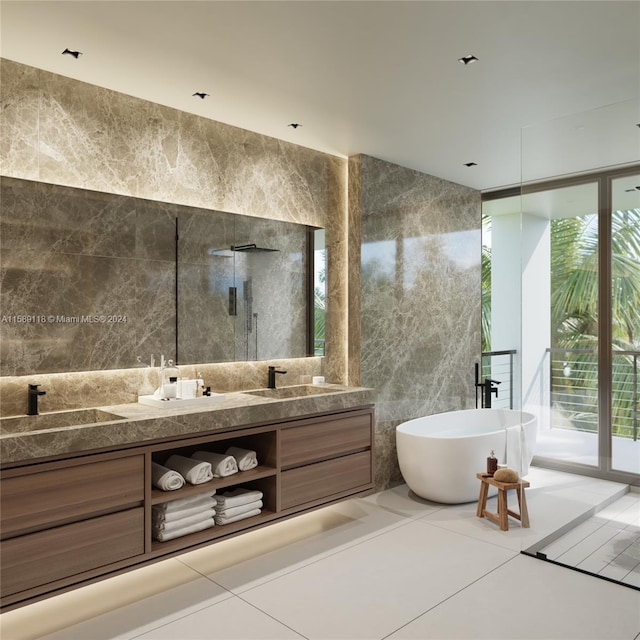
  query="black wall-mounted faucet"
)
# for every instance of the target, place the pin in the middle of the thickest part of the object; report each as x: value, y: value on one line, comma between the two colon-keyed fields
x: 32, y: 399
x: 271, y: 380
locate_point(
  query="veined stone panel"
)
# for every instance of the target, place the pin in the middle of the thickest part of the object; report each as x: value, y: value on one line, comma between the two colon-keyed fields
x: 59, y: 130
x: 420, y: 296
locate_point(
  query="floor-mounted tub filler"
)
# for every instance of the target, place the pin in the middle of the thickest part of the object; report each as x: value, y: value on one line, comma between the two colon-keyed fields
x: 439, y: 455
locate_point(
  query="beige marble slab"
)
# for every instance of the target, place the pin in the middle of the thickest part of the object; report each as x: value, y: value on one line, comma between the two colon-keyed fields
x: 139, y: 423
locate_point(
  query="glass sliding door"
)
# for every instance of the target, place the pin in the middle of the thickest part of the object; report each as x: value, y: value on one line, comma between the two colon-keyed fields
x: 560, y: 320
x: 624, y: 440
x: 572, y: 317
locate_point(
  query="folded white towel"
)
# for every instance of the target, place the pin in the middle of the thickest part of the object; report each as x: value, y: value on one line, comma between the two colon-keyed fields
x: 194, y: 471
x: 245, y: 458
x: 236, y: 497
x: 203, y: 501
x: 165, y: 479
x: 514, y: 450
x: 163, y: 536
x: 160, y: 517
x: 242, y: 516
x: 221, y: 464
x: 230, y: 512
x: 168, y: 527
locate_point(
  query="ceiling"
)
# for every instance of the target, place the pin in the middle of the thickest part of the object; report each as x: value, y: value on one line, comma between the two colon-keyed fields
x: 375, y: 77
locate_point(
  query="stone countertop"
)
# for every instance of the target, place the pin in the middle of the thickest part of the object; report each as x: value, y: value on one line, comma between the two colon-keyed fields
x: 139, y: 423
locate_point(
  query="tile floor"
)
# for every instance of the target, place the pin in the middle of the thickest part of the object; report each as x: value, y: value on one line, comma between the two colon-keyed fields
x: 607, y: 544
x: 386, y: 566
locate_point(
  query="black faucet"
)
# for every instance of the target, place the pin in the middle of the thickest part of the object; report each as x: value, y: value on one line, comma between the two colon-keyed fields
x: 271, y: 381
x: 32, y: 400
x: 488, y: 389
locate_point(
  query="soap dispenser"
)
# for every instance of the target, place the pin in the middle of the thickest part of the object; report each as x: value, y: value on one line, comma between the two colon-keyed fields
x: 492, y: 463
x: 170, y: 380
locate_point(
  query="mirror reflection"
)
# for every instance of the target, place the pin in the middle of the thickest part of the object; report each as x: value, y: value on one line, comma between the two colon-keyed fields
x: 99, y: 281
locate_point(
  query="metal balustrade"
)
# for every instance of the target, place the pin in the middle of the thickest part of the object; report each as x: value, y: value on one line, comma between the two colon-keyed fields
x: 574, y: 390
x: 498, y: 365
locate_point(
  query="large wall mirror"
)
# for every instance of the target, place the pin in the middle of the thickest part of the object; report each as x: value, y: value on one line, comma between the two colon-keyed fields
x: 94, y: 281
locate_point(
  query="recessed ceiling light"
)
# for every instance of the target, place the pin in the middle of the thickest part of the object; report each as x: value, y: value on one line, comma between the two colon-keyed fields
x: 200, y: 94
x: 71, y: 52
x: 468, y: 59
x: 470, y: 164
x: 295, y: 125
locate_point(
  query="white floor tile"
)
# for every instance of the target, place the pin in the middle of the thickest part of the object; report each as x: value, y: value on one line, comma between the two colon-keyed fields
x: 590, y: 545
x: 633, y: 577
x: 547, y: 514
x: 368, y: 590
x: 623, y: 512
x: 402, y: 501
x: 243, y: 563
x: 572, y: 538
x: 169, y: 583
x: 232, y: 619
x: 527, y: 598
x: 140, y: 617
x: 609, y: 552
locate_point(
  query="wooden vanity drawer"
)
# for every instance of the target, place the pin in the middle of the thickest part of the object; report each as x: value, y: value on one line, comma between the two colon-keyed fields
x: 40, y: 558
x: 331, y: 437
x: 38, y: 499
x: 324, y: 479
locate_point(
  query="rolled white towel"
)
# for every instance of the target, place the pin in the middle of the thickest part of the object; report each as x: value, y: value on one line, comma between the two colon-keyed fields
x: 201, y: 500
x: 245, y: 458
x: 168, y: 527
x: 230, y: 512
x: 194, y: 471
x: 162, y: 536
x: 236, y: 497
x: 242, y: 516
x: 221, y: 464
x: 165, y: 479
x: 160, y: 516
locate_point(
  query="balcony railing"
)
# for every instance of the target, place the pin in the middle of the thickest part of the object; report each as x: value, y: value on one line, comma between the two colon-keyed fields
x: 498, y: 365
x: 574, y: 390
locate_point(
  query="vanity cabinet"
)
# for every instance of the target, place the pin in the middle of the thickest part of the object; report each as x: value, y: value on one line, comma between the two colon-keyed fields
x: 66, y: 522
x: 325, y: 457
x: 60, y: 520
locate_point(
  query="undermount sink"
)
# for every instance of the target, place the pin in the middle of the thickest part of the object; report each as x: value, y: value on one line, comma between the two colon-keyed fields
x: 299, y: 391
x: 55, y: 420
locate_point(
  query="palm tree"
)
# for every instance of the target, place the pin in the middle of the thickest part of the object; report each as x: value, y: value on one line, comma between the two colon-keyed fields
x: 574, y: 310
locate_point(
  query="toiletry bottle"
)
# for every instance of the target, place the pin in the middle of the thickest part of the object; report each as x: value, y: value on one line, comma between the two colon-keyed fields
x: 200, y: 384
x: 170, y: 378
x: 492, y: 463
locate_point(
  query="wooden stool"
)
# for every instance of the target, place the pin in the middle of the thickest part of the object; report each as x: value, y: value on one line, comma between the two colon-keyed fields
x: 501, y: 517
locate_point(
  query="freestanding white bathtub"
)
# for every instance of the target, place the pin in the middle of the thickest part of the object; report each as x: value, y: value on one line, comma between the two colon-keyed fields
x: 439, y: 455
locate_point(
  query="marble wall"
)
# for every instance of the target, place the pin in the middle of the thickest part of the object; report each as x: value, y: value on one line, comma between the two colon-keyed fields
x: 60, y: 131
x: 419, y: 302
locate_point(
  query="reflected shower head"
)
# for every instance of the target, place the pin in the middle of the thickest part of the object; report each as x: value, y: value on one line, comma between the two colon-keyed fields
x: 251, y: 248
